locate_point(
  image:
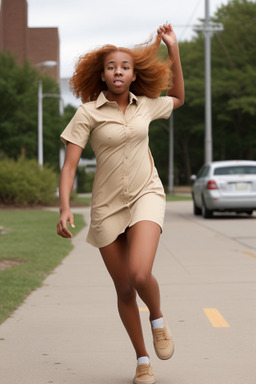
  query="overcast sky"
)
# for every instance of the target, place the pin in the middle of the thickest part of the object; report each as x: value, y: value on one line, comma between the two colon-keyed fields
x: 86, y: 24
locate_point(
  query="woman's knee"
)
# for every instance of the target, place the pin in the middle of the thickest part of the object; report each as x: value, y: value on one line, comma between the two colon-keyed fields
x: 125, y: 292
x: 140, y: 280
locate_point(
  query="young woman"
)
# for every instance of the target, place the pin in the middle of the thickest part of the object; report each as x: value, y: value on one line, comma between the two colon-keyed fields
x: 120, y: 89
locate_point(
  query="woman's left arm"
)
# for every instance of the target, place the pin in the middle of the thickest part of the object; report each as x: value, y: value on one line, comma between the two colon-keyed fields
x: 177, y: 91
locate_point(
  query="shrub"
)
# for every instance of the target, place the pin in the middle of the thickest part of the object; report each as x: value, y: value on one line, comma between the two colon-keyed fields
x: 84, y: 180
x: 23, y: 182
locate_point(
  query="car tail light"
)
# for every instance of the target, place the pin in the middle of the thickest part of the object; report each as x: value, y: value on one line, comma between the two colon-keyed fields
x: 211, y: 185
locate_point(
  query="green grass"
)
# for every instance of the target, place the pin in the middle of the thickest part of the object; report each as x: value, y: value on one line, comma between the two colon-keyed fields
x: 81, y: 199
x: 87, y: 200
x: 29, y: 237
x: 178, y: 197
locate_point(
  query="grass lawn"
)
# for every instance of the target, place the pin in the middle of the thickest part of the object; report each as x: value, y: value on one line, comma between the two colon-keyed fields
x: 87, y: 200
x: 31, y: 249
x: 178, y: 197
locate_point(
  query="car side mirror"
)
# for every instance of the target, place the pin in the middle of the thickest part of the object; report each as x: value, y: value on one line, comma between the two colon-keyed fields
x: 193, y: 177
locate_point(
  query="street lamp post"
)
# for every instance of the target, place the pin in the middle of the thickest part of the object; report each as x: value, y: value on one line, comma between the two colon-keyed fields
x: 41, y: 95
x: 40, y: 124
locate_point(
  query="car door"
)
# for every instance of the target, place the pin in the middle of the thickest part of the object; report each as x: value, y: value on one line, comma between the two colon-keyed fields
x: 199, y: 185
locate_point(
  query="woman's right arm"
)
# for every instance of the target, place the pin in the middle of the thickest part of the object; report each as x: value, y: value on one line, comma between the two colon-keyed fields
x: 177, y: 91
x: 73, y: 154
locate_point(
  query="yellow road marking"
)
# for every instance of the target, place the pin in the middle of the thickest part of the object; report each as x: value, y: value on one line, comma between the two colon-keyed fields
x: 249, y: 253
x: 216, y: 319
x: 143, y: 309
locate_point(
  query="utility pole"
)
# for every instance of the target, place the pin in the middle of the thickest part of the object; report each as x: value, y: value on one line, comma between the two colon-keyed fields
x: 171, y: 156
x: 208, y: 29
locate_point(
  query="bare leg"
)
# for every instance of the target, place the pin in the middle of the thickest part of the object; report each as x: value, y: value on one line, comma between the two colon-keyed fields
x: 115, y: 257
x: 143, y: 238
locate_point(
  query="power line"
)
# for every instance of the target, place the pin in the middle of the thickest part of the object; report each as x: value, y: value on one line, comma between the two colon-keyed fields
x: 188, y: 24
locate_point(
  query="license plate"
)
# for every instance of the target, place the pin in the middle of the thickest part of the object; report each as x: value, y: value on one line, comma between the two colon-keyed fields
x: 241, y: 186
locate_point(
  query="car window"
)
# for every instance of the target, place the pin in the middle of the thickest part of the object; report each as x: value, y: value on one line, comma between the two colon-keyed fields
x: 236, y: 170
x: 203, y: 171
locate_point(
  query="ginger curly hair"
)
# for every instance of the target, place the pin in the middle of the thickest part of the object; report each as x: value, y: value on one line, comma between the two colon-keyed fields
x: 152, y: 74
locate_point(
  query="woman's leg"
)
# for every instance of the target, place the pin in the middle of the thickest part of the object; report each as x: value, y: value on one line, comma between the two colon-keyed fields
x: 143, y: 238
x: 115, y: 257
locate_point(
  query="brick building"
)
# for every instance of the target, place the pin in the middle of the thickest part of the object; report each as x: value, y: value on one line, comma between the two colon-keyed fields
x: 37, y: 45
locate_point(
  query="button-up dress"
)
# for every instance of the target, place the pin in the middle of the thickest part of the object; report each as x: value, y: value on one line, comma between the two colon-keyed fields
x: 126, y: 187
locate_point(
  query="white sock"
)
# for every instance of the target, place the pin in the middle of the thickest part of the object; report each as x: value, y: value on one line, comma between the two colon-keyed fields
x: 158, y: 323
x: 143, y: 360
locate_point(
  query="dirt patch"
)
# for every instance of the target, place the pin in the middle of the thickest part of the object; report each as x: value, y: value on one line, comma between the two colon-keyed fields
x: 4, y: 264
x: 3, y: 230
x: 182, y: 189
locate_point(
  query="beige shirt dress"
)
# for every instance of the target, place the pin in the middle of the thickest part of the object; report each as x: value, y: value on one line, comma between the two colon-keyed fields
x: 126, y: 187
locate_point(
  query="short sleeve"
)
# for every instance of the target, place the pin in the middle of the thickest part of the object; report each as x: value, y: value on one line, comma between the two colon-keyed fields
x: 78, y: 130
x: 160, y: 107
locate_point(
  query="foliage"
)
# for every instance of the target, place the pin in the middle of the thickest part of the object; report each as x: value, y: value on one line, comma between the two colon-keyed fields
x: 18, y: 112
x: 159, y: 145
x: 188, y: 120
x: 84, y: 180
x: 22, y: 182
x: 234, y: 93
x: 233, y: 102
x: 233, y: 97
x: 29, y: 238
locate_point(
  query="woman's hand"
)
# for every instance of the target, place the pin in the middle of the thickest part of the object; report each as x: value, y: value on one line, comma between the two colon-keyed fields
x: 73, y: 154
x: 65, y: 217
x: 167, y: 34
x: 169, y: 38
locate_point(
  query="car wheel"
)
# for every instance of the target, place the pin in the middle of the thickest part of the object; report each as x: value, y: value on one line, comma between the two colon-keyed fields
x: 249, y: 213
x: 197, y: 211
x: 207, y: 213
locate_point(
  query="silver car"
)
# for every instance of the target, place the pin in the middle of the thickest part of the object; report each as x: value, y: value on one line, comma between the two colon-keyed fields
x: 225, y: 186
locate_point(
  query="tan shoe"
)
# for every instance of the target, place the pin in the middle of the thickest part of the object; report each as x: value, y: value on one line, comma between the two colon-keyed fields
x: 163, y: 342
x: 144, y: 374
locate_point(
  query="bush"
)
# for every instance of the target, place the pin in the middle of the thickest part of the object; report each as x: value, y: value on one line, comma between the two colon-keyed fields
x: 84, y: 180
x: 22, y: 182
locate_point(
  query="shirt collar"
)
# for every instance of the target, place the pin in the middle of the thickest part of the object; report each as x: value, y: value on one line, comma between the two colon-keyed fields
x: 101, y: 100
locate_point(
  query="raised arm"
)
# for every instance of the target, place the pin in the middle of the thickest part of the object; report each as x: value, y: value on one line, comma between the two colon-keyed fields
x: 177, y: 91
x: 73, y: 154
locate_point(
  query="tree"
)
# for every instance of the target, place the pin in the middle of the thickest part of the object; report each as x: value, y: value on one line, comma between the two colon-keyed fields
x: 233, y: 101
x: 233, y: 96
x: 188, y: 120
x: 18, y: 112
x: 234, y: 93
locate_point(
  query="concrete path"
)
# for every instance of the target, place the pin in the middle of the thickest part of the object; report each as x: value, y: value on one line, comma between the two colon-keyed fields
x: 69, y: 330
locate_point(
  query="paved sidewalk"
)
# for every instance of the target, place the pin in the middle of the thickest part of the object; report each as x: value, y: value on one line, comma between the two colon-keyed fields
x: 63, y: 333
x: 69, y: 330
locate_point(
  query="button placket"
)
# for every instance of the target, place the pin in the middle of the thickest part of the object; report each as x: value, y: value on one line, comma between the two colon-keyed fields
x: 126, y: 164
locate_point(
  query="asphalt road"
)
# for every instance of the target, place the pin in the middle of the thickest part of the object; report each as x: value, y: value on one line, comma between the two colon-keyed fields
x: 69, y: 331
x: 209, y: 288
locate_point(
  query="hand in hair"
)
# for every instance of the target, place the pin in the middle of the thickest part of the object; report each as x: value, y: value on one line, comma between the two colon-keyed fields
x: 167, y: 34
x: 177, y: 90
